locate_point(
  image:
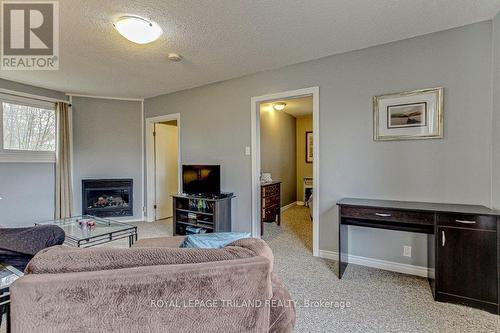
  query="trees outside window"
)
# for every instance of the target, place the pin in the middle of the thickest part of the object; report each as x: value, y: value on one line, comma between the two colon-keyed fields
x: 28, y: 128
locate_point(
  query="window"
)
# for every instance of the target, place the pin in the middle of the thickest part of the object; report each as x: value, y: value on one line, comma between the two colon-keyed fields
x: 28, y: 130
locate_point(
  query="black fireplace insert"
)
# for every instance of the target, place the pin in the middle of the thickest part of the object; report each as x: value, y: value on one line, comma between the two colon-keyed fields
x: 107, y: 197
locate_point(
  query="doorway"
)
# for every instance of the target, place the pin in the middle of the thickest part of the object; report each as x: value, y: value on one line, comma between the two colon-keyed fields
x: 313, y: 138
x: 163, y: 165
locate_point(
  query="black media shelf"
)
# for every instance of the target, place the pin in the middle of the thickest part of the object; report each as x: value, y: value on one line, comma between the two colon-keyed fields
x: 197, y: 225
x: 210, y: 214
x: 194, y: 211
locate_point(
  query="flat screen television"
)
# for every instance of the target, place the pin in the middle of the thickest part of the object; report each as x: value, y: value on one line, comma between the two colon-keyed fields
x: 201, y: 179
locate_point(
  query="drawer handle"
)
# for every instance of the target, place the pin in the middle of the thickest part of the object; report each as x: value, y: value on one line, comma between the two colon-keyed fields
x: 465, y: 222
x: 383, y: 215
x: 443, y: 238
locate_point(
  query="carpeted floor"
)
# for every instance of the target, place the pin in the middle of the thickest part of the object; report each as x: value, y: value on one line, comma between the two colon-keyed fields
x: 158, y: 228
x: 378, y: 301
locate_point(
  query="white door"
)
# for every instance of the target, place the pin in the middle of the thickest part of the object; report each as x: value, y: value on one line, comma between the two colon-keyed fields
x: 166, y: 165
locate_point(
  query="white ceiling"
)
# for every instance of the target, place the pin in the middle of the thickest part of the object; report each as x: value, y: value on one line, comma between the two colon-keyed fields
x: 296, y: 107
x: 222, y: 39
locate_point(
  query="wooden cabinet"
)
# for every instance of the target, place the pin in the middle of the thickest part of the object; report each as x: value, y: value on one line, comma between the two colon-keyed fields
x: 466, y: 260
x: 270, y: 204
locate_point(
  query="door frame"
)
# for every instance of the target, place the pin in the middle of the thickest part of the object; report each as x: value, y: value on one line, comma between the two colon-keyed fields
x: 150, y: 176
x: 255, y: 154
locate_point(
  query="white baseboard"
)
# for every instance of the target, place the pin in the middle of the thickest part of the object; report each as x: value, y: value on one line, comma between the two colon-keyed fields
x: 293, y: 204
x: 379, y: 263
x: 300, y: 203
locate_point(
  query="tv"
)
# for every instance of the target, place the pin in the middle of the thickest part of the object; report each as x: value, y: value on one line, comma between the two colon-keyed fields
x: 201, y: 179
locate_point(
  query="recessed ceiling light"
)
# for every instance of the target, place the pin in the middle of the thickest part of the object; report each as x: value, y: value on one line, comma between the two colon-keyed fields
x: 138, y: 30
x: 175, y: 57
x: 279, y: 106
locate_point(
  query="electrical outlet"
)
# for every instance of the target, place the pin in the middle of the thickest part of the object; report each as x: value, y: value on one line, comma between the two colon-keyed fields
x: 407, y: 251
x: 247, y: 151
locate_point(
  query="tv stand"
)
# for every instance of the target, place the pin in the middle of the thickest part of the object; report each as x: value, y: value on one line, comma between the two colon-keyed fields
x: 222, y: 195
x: 206, y: 213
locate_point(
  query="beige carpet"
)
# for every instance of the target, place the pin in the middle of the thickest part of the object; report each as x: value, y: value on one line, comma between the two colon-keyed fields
x: 380, y: 301
x: 158, y: 228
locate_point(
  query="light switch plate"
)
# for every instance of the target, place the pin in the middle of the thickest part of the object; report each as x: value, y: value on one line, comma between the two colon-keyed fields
x: 247, y: 151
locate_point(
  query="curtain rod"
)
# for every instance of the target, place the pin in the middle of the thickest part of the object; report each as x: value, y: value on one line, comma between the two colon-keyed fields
x: 32, y: 96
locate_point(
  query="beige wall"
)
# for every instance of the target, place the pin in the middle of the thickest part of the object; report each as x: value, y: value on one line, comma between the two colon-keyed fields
x: 278, y: 151
x: 303, y: 125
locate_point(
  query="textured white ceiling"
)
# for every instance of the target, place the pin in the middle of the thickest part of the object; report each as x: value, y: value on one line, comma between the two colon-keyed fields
x: 296, y: 107
x: 222, y: 39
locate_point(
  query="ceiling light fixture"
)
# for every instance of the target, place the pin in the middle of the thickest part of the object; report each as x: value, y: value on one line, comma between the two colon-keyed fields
x: 138, y: 30
x: 279, y: 106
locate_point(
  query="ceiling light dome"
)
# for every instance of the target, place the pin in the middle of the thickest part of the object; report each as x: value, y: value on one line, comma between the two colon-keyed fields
x: 138, y: 30
x: 279, y: 106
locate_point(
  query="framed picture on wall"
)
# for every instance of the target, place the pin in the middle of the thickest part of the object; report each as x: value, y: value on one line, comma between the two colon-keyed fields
x: 309, y: 147
x: 408, y: 115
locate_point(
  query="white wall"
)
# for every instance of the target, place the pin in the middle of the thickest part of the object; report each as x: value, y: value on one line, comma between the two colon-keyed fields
x: 107, y: 143
x: 216, y: 128
x: 27, y: 189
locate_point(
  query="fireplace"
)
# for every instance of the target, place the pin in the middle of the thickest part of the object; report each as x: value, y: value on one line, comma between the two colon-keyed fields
x: 107, y: 197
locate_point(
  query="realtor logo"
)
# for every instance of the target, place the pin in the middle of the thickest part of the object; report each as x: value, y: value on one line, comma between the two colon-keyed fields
x: 30, y: 35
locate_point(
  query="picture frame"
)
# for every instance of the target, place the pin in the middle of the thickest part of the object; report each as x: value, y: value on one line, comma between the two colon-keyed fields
x: 410, y: 115
x: 309, y: 147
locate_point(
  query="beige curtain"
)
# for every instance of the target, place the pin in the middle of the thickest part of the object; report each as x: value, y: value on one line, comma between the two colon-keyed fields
x: 64, y: 191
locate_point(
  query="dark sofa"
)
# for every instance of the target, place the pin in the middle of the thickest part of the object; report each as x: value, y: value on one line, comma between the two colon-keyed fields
x: 19, y: 245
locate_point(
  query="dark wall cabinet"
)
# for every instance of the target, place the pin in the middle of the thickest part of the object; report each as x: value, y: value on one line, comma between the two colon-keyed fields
x: 467, y: 260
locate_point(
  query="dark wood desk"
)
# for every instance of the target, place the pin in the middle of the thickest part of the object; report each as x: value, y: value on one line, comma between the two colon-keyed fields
x: 463, y: 244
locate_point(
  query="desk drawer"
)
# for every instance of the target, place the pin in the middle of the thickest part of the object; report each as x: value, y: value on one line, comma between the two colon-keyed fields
x: 270, y: 190
x: 381, y: 214
x: 270, y: 201
x: 484, y: 222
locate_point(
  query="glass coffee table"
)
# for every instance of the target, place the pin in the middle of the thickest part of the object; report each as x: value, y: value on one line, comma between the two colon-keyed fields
x: 86, y: 230
x: 8, y: 274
